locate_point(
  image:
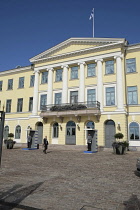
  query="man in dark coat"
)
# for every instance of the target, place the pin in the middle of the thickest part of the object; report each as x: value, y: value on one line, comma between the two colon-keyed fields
x: 89, y: 141
x: 29, y: 141
x: 45, y: 144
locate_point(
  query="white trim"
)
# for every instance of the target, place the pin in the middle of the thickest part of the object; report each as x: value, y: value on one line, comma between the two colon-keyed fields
x: 71, y: 90
x: 108, y: 86
x: 54, y: 92
x: 42, y: 93
x: 90, y: 88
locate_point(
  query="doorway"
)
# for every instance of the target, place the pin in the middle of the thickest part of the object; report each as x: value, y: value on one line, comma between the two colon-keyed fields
x: 71, y: 133
x: 39, y: 127
x: 109, y: 133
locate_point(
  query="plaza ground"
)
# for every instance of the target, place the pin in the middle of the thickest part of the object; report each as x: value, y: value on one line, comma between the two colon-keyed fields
x: 67, y: 179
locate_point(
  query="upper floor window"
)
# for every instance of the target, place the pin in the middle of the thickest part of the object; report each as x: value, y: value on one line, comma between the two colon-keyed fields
x: 74, y: 72
x: 131, y: 65
x: 43, y: 100
x: 73, y: 97
x: 134, y: 131
x: 10, y: 84
x: 132, y: 95
x: 32, y: 79
x: 109, y: 67
x: 91, y: 70
x: 19, y: 104
x: 58, y: 75
x: 30, y: 104
x: 1, y: 85
x: 44, y: 77
x: 21, y: 82
x: 91, y: 96
x: 17, y: 132
x: 8, y: 105
x: 110, y: 96
x: 58, y: 97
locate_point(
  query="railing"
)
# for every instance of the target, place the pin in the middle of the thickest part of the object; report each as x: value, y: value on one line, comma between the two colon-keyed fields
x: 71, y: 106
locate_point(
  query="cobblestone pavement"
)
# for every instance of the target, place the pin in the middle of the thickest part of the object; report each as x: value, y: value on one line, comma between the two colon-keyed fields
x: 67, y: 179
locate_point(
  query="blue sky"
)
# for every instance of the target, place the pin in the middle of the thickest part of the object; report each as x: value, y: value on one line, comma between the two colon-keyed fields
x: 29, y: 27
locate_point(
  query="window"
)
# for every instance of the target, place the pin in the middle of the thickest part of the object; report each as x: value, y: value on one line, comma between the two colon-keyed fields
x: 19, y: 104
x: 91, y: 70
x: 44, y: 77
x: 55, y: 130
x: 73, y: 97
x: 8, y: 106
x: 91, y: 96
x: 58, y: 97
x: 110, y: 96
x: 131, y: 65
x: 6, y: 132
x: 132, y: 95
x: 74, y: 72
x: 134, y: 131
x: 43, y: 100
x: 58, y: 75
x: 109, y: 67
x: 30, y: 104
x: 21, y: 82
x: 90, y: 125
x: 10, y: 84
x: 1, y: 85
x: 32, y: 79
x: 17, y: 132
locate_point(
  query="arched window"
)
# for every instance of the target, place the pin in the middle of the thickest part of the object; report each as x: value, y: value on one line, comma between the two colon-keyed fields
x: 17, y: 132
x: 70, y: 123
x: 90, y: 125
x: 6, y: 132
x: 134, y: 131
x: 55, y: 130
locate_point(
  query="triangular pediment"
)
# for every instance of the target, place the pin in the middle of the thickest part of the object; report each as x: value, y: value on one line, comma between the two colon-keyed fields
x: 74, y: 45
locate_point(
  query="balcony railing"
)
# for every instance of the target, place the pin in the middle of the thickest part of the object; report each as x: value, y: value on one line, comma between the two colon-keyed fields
x: 71, y: 109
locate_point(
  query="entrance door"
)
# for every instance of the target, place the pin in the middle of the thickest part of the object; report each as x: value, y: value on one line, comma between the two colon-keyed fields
x: 40, y: 132
x: 71, y: 133
x: 109, y: 133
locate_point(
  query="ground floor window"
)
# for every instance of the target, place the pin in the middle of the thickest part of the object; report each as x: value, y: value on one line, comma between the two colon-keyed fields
x: 55, y: 130
x: 134, y: 131
x: 17, y: 132
x: 6, y: 132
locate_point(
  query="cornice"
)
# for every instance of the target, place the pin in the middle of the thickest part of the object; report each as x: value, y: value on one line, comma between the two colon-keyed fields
x: 16, y: 70
x: 83, y: 51
x: 132, y: 48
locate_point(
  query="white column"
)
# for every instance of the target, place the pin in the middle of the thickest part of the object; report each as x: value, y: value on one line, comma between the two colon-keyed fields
x: 50, y: 86
x: 119, y: 78
x: 81, y: 97
x: 65, y: 85
x: 99, y: 83
x: 35, y: 98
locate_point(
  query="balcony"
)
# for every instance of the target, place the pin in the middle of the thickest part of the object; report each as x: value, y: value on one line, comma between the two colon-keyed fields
x: 65, y: 110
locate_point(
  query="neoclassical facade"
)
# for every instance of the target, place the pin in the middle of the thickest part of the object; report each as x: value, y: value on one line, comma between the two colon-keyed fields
x: 80, y: 86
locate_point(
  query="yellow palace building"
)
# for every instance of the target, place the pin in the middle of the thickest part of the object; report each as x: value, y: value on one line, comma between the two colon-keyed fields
x: 80, y: 86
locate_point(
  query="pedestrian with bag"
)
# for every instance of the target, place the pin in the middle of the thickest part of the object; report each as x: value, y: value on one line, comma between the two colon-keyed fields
x: 45, y: 144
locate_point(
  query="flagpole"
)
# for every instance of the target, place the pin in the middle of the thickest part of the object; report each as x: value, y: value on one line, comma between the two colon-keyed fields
x: 92, y: 17
x: 93, y: 22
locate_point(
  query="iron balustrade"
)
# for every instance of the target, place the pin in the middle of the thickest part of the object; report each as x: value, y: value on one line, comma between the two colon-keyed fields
x: 71, y: 106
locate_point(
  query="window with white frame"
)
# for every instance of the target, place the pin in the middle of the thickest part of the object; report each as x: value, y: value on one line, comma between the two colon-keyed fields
x: 134, y: 131
x: 74, y: 72
x: 8, y: 105
x: 32, y: 79
x: 132, y: 95
x: 17, y: 132
x: 109, y: 67
x: 21, y: 82
x: 73, y: 97
x: 58, y: 75
x: 110, y: 96
x: 6, y: 132
x: 91, y: 70
x: 10, y: 84
x: 43, y: 100
x: 58, y: 98
x: 91, y: 96
x: 44, y: 78
x: 55, y: 130
x: 30, y: 104
x: 1, y: 85
x: 19, y: 104
x: 130, y: 65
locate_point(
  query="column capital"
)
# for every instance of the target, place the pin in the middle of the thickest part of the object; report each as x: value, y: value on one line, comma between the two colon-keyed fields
x: 50, y: 69
x: 36, y: 71
x: 64, y: 66
x: 101, y: 60
x: 118, y: 56
x: 81, y: 63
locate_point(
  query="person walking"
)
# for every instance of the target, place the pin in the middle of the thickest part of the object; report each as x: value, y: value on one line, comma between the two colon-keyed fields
x: 45, y: 144
x: 89, y: 142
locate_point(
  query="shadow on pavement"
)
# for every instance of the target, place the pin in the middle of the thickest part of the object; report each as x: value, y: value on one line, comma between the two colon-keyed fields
x: 11, y: 198
x: 133, y: 203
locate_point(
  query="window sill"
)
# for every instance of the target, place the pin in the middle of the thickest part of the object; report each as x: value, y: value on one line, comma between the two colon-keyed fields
x: 91, y: 77
x: 109, y: 74
x: 74, y: 79
x: 135, y: 72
